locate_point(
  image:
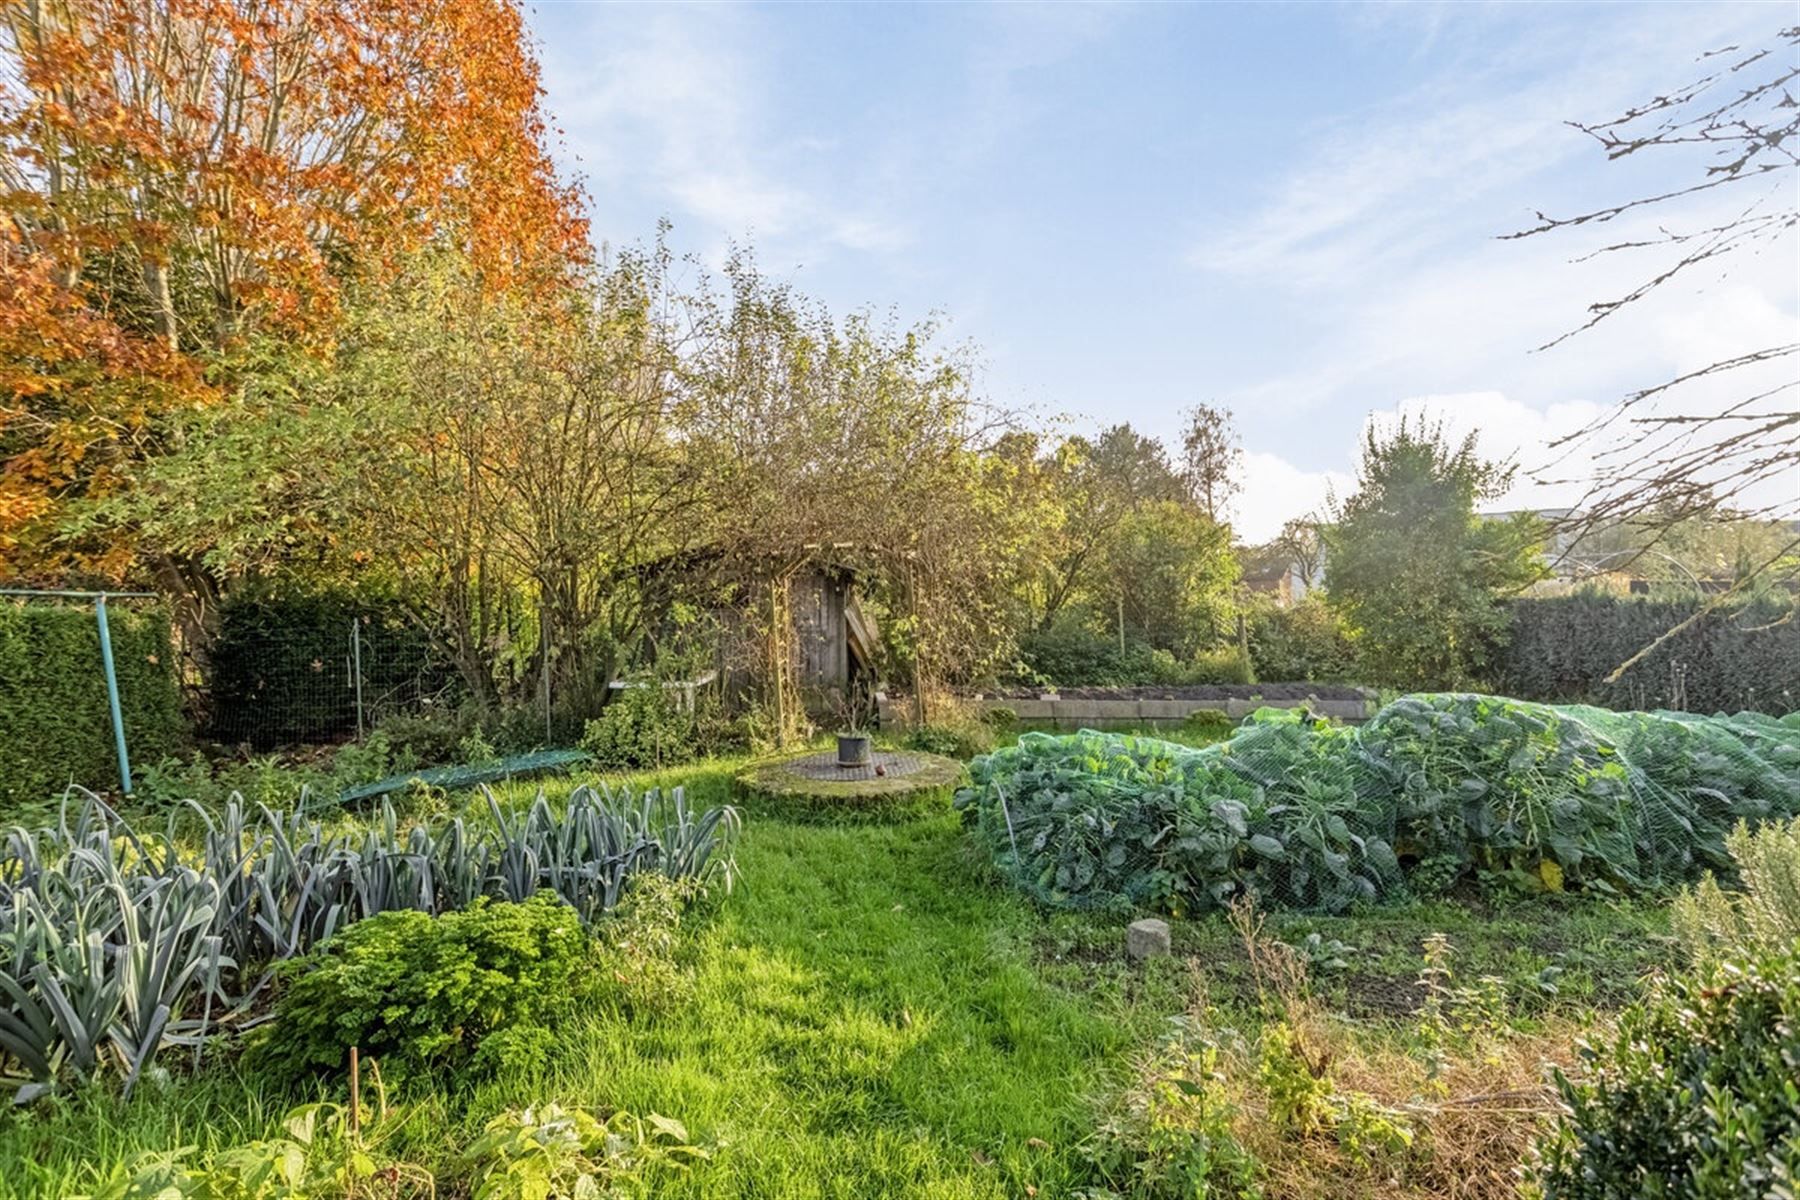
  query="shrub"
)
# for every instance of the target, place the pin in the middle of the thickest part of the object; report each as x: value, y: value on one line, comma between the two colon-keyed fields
x: 1308, y: 641
x: 641, y: 727
x: 1209, y: 722
x: 55, y: 726
x: 1167, y: 1134
x: 1227, y: 664
x: 1764, y: 915
x: 467, y: 988
x: 1698, y: 1094
x: 1070, y: 655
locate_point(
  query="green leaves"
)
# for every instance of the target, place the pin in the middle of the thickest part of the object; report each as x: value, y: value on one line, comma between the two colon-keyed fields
x: 415, y: 990
x: 1308, y: 815
x: 112, y: 946
x: 1694, y: 1097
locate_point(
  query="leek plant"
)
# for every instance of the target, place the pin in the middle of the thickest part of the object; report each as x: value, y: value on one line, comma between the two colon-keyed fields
x: 114, y: 945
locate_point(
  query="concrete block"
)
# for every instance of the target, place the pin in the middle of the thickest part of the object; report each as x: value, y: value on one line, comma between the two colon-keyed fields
x: 1148, y: 938
x: 1096, y: 710
x: 1028, y: 710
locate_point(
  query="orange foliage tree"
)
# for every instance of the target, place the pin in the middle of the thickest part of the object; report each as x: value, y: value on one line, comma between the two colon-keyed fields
x: 180, y: 177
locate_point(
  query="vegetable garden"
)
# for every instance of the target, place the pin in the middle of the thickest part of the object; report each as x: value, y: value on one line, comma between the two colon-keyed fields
x: 1297, y: 813
x: 561, y: 992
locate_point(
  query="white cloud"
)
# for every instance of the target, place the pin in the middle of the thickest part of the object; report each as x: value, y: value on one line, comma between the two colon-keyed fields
x: 1275, y: 490
x: 678, y: 101
x: 1383, y: 234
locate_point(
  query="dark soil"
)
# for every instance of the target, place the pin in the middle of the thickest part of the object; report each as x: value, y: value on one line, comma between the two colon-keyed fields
x: 1198, y: 691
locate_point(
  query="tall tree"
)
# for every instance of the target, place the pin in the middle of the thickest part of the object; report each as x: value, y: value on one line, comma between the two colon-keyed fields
x: 1210, y: 459
x: 1417, y: 573
x: 1100, y: 483
x: 192, y: 175
x: 1302, y: 548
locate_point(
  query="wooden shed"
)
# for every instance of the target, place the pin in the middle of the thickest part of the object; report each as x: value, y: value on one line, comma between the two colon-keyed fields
x: 793, y: 635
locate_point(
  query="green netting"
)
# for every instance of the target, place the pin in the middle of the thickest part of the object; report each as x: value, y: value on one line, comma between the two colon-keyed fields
x: 1305, y: 814
x: 468, y: 775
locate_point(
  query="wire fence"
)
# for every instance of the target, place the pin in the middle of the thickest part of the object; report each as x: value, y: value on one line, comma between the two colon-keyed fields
x: 319, y: 681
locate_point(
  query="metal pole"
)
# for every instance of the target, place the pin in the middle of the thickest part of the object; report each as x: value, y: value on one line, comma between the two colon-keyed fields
x: 356, y: 661
x: 544, y: 634
x: 112, y: 694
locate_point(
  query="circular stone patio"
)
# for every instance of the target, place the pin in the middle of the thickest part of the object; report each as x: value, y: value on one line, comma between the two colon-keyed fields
x: 894, y: 783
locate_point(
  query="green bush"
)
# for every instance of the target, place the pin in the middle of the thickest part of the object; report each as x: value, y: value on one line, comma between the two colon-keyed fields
x: 1209, y: 722
x: 470, y: 988
x: 1070, y: 654
x: 641, y: 727
x: 1306, y: 642
x: 1697, y: 1096
x: 1227, y: 664
x: 1762, y: 914
x: 55, y: 726
x: 1167, y: 1135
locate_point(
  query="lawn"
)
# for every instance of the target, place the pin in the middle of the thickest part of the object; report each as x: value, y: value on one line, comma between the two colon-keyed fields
x: 872, y: 1013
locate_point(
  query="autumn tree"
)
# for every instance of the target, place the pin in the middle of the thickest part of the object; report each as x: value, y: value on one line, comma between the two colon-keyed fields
x: 1417, y: 573
x: 197, y: 176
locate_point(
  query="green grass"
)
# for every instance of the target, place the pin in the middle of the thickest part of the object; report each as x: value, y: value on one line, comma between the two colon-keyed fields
x: 865, y: 1020
x: 873, y: 1014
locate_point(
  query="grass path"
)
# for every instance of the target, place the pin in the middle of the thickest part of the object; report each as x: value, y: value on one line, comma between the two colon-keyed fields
x: 866, y: 1022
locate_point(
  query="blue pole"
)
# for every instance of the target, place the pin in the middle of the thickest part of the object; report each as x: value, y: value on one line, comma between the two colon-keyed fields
x: 112, y: 695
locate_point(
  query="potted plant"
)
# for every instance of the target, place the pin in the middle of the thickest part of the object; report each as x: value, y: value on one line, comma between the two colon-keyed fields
x: 853, y: 729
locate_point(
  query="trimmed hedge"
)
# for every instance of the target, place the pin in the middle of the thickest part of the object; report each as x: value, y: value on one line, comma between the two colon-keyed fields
x: 54, y: 724
x: 1564, y: 647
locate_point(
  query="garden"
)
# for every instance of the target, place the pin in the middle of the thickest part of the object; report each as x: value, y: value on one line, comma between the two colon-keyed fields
x: 1412, y: 957
x: 491, y: 708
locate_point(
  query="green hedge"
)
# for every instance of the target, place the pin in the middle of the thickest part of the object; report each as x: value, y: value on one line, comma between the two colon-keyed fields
x: 54, y: 724
x: 1564, y: 647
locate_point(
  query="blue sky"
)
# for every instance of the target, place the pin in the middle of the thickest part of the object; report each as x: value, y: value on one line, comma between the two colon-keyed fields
x: 1290, y: 210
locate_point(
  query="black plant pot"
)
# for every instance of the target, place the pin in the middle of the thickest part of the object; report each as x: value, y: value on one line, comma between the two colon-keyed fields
x: 853, y: 750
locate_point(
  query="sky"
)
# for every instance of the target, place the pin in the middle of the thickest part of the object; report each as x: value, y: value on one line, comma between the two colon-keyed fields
x: 1292, y: 211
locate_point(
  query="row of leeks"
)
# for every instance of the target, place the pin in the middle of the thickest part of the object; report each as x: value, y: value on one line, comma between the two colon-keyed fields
x: 115, y: 944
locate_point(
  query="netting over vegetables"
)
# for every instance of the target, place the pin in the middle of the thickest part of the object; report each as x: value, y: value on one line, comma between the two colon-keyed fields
x: 1309, y: 815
